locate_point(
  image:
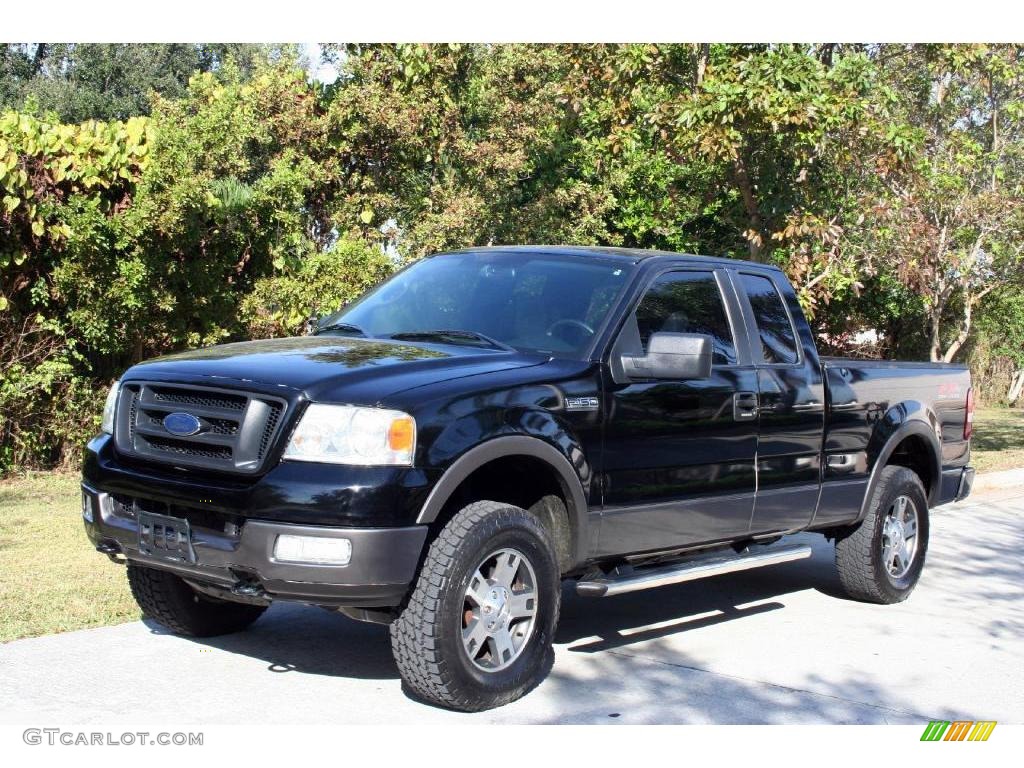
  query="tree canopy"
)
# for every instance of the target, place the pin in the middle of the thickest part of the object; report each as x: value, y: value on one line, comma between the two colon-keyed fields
x: 159, y: 197
x: 109, y: 81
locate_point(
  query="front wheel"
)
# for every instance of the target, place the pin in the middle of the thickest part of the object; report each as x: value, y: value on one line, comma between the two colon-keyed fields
x: 880, y: 559
x: 477, y: 630
x: 168, y: 599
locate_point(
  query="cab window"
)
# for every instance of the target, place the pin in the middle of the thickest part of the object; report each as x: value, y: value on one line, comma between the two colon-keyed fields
x: 687, y: 302
x: 775, y: 331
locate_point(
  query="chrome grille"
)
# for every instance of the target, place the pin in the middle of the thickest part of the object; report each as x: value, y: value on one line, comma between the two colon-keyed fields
x: 236, y: 433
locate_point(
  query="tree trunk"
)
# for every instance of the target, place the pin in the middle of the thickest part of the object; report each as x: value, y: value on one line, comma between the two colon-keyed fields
x: 1016, y: 387
x: 935, y: 324
x: 703, y: 54
x: 965, y: 329
x: 38, y: 58
x: 828, y: 51
x: 746, y: 187
x: 970, y: 299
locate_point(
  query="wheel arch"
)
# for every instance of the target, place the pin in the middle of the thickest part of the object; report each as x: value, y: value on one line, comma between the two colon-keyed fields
x: 529, y: 449
x: 915, y: 445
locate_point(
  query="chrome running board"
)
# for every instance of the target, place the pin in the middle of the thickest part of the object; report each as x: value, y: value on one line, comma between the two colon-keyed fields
x: 660, y: 576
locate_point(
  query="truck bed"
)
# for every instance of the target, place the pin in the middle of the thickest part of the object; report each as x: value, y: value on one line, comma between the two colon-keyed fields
x: 868, y: 401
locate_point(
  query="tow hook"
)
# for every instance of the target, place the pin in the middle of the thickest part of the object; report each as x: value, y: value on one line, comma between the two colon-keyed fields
x: 112, y: 550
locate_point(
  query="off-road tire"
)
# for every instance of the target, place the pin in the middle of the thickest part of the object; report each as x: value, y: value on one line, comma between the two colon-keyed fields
x: 166, y: 598
x: 426, y: 637
x: 859, y: 548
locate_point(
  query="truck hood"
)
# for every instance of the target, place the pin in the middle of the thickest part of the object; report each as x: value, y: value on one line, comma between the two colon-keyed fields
x: 332, y: 368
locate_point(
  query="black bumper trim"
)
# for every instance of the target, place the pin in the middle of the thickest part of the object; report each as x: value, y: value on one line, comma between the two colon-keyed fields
x: 966, y: 483
x: 383, y: 564
x: 954, y: 485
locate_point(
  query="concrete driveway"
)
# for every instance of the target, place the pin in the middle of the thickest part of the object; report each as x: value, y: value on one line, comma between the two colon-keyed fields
x: 768, y: 646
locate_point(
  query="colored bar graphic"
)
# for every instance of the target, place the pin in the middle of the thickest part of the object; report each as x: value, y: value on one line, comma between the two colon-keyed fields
x: 958, y: 730
x: 982, y: 730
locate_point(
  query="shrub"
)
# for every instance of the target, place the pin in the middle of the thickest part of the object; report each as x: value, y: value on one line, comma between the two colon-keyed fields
x: 281, y: 305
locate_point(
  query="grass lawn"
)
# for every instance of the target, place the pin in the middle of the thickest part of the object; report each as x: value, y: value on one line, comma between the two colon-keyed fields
x: 998, y: 441
x: 51, y: 578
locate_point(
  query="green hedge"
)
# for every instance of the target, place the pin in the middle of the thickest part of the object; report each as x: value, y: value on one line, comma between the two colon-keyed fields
x: 124, y: 240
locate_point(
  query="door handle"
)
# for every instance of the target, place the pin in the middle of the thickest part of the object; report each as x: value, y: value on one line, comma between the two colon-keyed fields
x: 845, y: 406
x: 744, y: 406
x: 810, y: 406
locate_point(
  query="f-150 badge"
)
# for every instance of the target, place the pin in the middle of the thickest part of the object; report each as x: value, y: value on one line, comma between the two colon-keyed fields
x: 582, y: 403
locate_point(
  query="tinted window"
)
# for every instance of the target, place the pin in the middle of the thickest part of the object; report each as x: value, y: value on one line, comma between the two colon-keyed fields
x: 529, y: 301
x: 687, y: 302
x: 778, y: 343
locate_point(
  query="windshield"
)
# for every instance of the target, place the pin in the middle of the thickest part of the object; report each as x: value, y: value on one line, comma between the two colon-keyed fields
x: 536, y: 303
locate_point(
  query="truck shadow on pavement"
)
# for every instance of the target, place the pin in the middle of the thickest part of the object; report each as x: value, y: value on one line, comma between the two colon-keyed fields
x: 662, y: 683
x: 297, y: 638
x: 617, y: 621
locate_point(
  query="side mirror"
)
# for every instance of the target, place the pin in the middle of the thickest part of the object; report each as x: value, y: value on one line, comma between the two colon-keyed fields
x: 672, y: 356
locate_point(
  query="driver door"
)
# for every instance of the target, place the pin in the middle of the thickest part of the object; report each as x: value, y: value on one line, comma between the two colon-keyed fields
x: 678, y: 465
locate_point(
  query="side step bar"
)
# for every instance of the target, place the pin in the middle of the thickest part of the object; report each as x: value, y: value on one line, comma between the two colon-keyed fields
x: 690, y: 571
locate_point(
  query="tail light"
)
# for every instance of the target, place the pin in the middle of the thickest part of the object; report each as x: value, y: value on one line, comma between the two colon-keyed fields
x: 969, y: 415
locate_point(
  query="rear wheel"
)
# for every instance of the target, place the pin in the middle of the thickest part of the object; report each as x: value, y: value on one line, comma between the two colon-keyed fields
x: 880, y: 560
x: 477, y: 630
x: 166, y: 598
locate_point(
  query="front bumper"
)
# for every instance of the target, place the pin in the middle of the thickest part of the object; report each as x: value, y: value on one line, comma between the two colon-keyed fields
x: 239, y: 559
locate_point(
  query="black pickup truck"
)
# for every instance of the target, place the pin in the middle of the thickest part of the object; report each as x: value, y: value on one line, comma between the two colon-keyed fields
x: 442, y: 453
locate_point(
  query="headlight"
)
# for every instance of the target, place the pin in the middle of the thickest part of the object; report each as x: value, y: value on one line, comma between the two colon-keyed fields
x: 107, y: 425
x: 345, y: 434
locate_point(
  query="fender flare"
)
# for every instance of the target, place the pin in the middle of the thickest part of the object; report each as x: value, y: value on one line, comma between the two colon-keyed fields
x: 917, y: 427
x: 516, y: 445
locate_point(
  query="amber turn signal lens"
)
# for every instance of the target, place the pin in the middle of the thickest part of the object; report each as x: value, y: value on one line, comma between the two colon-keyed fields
x: 401, y: 434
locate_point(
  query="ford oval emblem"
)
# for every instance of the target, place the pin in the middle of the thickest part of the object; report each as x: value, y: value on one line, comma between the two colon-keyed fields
x: 182, y: 424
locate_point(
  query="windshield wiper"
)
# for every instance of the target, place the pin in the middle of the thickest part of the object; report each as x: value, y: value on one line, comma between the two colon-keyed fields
x: 351, y: 327
x: 449, y: 335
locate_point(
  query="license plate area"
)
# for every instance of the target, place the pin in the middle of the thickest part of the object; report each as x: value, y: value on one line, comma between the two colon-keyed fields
x: 165, y: 537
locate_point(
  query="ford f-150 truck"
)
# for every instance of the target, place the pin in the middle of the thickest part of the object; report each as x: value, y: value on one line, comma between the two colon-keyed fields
x: 443, y: 453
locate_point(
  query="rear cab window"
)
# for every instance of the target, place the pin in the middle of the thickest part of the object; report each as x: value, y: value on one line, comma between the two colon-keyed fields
x: 775, y: 335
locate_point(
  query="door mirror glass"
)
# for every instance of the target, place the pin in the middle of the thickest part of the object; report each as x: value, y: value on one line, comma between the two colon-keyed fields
x: 672, y: 356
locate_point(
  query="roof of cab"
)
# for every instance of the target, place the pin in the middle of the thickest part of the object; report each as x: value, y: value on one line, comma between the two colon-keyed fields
x: 630, y: 255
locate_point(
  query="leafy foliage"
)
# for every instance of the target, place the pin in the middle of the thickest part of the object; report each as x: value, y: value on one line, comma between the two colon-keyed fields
x: 282, y: 305
x: 125, y: 240
x: 57, y: 182
x: 113, y: 81
x: 454, y: 145
x: 950, y: 227
x: 225, y: 196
